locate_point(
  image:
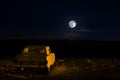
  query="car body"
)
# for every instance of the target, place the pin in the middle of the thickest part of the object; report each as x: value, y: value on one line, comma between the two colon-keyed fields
x: 35, y: 58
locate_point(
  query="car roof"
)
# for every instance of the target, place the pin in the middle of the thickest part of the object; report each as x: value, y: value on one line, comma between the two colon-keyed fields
x: 36, y: 46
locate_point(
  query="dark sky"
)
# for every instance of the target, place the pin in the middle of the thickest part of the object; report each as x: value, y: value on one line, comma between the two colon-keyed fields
x: 49, y: 19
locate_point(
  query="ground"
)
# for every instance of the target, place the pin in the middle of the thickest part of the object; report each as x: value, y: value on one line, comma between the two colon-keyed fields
x: 73, y: 69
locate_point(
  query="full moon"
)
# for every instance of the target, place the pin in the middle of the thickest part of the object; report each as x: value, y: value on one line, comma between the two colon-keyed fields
x: 72, y: 24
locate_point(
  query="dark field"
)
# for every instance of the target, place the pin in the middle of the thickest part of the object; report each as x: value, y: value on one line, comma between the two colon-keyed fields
x: 73, y: 69
x: 75, y: 60
x: 64, y: 48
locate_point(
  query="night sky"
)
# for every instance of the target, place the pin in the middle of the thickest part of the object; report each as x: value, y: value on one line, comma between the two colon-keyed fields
x: 97, y: 20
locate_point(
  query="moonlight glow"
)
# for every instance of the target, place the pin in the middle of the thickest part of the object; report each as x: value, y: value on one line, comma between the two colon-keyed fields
x: 72, y: 24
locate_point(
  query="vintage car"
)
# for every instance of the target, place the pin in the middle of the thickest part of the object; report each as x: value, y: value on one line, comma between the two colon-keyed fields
x: 35, y: 58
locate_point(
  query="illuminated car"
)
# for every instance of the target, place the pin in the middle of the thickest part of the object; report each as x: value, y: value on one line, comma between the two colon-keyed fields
x: 35, y: 58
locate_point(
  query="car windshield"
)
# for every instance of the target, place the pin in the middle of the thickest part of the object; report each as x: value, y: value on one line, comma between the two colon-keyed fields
x: 36, y: 50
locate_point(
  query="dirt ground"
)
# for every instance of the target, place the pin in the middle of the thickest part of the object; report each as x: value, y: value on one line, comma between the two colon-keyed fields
x: 73, y: 69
